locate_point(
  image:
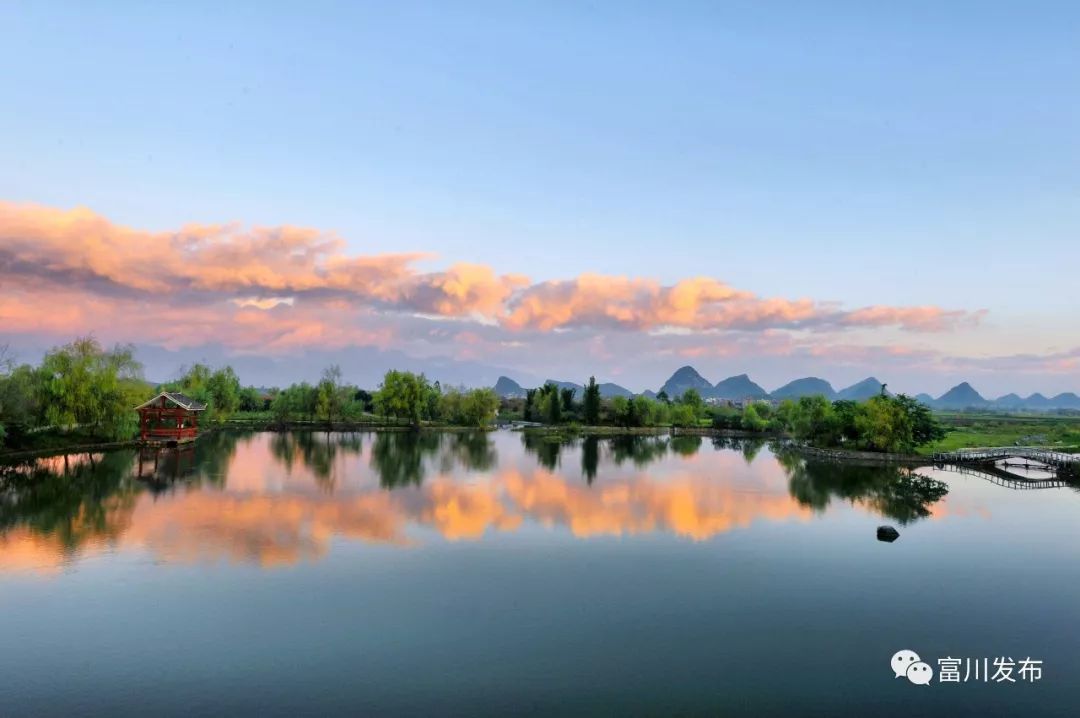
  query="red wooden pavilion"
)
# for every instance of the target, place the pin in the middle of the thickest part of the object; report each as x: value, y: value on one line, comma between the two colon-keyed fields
x: 169, y: 416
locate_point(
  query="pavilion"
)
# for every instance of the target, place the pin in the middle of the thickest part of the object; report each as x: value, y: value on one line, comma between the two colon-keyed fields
x: 170, y: 417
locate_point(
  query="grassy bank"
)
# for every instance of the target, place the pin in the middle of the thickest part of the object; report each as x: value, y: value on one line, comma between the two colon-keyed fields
x: 990, y: 429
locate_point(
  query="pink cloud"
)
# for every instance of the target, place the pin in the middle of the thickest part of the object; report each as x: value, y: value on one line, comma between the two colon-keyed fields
x: 69, y: 272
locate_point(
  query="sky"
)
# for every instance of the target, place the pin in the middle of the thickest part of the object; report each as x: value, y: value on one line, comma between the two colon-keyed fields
x: 550, y: 189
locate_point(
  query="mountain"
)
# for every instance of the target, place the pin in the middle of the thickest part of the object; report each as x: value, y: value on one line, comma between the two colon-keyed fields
x: 1009, y: 401
x: 579, y: 390
x: 1038, y: 402
x: 649, y: 394
x: 809, y: 386
x: 924, y: 398
x: 1067, y: 400
x: 687, y: 378
x: 961, y: 396
x: 363, y: 366
x: 508, y: 388
x: 607, y: 390
x: 739, y: 387
x: 862, y: 391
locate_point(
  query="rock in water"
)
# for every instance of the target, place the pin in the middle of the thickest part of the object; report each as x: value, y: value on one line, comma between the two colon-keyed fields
x: 887, y: 534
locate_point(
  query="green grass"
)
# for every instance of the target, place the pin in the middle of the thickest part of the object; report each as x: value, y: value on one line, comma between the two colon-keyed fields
x: 968, y: 430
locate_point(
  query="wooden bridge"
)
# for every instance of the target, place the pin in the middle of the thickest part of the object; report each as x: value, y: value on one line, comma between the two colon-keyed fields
x: 1024, y: 457
x: 1002, y: 478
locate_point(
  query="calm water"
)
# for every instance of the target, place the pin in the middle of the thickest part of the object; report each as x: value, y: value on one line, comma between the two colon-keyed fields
x: 392, y: 574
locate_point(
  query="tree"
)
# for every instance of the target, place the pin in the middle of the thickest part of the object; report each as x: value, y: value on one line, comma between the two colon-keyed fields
x: 566, y: 396
x: 752, y: 420
x: 620, y: 406
x: 329, y: 399
x: 814, y: 421
x: 20, y: 405
x: 683, y: 415
x: 251, y: 399
x: 404, y: 395
x: 83, y: 385
x: 694, y: 406
x: 592, y: 402
x: 223, y: 389
x: 846, y: 412
x: 548, y: 403
x: 529, y: 412
x: 552, y: 408
x: 219, y: 389
x: 480, y: 406
x: 924, y: 427
x: 295, y: 402
x: 883, y: 425
x: 644, y: 410
x: 663, y: 396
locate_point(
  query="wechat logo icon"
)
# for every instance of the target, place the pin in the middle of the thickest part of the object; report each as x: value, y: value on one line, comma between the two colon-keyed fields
x: 907, y: 664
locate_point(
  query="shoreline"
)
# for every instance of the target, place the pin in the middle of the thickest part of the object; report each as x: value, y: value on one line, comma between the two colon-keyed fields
x: 554, y: 432
x: 868, y: 457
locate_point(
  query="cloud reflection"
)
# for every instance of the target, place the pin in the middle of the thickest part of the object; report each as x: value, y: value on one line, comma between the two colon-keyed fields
x: 279, y: 499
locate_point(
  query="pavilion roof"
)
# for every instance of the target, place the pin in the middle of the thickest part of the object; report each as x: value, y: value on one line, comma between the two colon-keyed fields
x: 181, y: 400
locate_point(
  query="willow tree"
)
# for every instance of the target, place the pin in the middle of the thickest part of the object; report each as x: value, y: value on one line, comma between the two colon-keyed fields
x: 404, y: 395
x: 85, y: 386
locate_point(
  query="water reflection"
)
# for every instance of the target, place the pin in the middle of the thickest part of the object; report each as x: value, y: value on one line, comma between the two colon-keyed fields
x: 278, y: 498
x: 893, y: 492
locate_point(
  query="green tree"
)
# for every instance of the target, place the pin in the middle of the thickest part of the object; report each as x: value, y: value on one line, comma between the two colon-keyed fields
x: 548, y: 404
x: 847, y: 412
x: 530, y: 411
x: 924, y: 427
x: 592, y: 402
x: 552, y: 408
x: 683, y: 415
x: 404, y: 395
x: 566, y: 397
x: 815, y: 421
x: 479, y: 407
x: 752, y: 419
x: 223, y: 390
x: 883, y: 425
x: 219, y: 389
x: 329, y: 395
x: 20, y: 404
x: 83, y: 385
x: 251, y: 399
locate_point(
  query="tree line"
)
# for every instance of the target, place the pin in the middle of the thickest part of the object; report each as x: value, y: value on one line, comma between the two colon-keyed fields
x: 883, y: 423
x: 403, y: 396
x: 86, y: 389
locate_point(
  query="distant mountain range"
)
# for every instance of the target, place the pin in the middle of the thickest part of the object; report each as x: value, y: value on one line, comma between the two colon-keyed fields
x: 742, y: 388
x: 510, y: 389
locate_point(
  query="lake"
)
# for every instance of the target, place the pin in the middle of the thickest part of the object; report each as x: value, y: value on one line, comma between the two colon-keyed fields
x: 493, y: 574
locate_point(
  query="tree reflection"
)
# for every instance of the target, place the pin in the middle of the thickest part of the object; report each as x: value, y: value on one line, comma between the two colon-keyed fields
x: 317, y: 451
x: 471, y: 450
x: 590, y: 458
x: 894, y: 492
x: 685, y: 444
x: 547, y: 449
x: 640, y: 450
x: 749, y: 447
x: 398, y: 457
x: 73, y: 500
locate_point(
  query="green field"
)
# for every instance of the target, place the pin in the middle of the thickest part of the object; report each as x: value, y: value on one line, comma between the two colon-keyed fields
x: 988, y: 429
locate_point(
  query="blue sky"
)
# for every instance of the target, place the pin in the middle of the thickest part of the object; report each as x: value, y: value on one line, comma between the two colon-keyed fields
x: 893, y: 154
